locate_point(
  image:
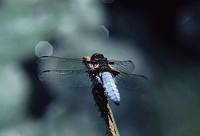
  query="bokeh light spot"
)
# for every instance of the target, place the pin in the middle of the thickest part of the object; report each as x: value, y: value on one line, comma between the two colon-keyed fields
x: 43, y: 48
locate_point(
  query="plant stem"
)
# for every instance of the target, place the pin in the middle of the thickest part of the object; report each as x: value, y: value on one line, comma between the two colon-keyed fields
x: 105, y: 110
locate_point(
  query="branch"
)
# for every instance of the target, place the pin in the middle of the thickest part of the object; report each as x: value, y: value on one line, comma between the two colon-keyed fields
x: 105, y: 110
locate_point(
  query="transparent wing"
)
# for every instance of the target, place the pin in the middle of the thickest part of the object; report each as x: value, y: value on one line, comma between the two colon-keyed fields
x: 63, y: 80
x: 63, y: 74
x: 58, y: 63
x: 126, y: 66
x: 131, y: 82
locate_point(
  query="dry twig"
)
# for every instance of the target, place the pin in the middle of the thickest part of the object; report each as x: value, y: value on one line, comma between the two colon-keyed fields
x: 105, y: 110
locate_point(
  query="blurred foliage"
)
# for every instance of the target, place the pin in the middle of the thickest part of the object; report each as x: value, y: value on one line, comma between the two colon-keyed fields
x: 25, y: 23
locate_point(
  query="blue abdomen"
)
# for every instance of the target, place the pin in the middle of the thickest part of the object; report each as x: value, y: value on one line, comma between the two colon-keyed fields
x: 110, y: 87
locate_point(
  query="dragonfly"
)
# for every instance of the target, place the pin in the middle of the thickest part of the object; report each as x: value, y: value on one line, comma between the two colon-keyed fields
x: 113, y: 75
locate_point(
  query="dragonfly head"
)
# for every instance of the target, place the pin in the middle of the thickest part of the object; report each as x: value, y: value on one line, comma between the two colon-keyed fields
x: 98, y: 59
x: 97, y: 56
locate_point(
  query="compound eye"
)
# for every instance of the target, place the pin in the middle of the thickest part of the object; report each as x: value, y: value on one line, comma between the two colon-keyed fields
x: 93, y: 62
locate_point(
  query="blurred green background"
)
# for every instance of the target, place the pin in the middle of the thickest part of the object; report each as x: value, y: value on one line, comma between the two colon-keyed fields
x: 160, y: 37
